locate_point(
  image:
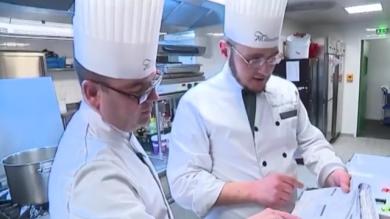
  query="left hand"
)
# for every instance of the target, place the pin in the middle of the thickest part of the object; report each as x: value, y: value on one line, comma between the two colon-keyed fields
x: 339, y: 178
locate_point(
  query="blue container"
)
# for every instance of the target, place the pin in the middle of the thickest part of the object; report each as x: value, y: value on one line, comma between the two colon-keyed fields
x: 386, y: 112
x: 55, y: 62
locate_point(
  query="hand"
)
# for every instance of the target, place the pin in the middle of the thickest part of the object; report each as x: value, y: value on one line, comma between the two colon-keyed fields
x: 273, y: 214
x: 339, y: 178
x: 274, y: 190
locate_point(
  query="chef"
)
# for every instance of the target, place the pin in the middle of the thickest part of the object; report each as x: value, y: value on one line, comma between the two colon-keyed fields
x: 234, y: 136
x: 100, y: 170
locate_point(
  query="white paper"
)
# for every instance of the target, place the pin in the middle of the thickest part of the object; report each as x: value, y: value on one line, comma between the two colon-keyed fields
x: 292, y: 69
x: 329, y: 203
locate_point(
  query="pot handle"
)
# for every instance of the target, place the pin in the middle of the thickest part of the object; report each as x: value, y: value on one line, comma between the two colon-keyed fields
x: 44, y: 168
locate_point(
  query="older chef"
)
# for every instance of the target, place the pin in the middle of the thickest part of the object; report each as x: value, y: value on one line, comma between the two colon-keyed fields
x: 100, y: 170
x: 234, y: 136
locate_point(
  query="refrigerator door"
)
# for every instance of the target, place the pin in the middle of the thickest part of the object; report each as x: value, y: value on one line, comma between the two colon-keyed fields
x: 335, y: 102
x: 329, y: 90
x: 334, y: 70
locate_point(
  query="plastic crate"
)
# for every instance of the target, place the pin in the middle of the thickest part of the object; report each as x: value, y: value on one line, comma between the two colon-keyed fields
x: 55, y: 62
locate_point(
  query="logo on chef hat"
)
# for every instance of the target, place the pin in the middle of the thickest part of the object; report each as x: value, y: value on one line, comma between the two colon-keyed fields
x: 146, y: 64
x: 261, y: 37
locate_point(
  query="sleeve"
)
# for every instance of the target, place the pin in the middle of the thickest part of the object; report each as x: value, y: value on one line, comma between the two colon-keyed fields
x: 101, y: 190
x: 317, y: 153
x: 192, y: 184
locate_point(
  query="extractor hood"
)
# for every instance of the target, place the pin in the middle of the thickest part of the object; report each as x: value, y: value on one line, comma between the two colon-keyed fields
x: 178, y: 15
x: 62, y: 5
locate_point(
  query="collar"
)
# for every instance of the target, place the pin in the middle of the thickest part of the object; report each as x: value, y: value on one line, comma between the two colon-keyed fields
x: 99, y: 128
x: 231, y: 81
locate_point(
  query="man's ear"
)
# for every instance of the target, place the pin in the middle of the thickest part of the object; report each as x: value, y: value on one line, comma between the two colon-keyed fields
x: 91, y: 92
x: 224, y: 48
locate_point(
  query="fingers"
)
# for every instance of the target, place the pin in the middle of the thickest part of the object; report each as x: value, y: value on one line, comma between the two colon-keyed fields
x: 293, y: 182
x: 285, y: 215
x: 345, y: 184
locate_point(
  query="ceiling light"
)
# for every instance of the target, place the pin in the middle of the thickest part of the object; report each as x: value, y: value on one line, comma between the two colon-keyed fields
x: 364, y: 8
x: 222, y: 2
x: 370, y: 29
x: 216, y: 34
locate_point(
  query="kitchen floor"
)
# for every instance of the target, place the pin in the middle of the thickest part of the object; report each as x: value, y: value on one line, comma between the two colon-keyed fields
x: 376, y: 129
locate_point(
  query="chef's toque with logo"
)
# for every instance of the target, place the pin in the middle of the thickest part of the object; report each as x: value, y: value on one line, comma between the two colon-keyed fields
x: 255, y: 23
x: 117, y: 38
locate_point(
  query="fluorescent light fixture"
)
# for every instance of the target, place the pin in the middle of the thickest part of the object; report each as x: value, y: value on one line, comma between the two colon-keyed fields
x: 364, y: 8
x: 222, y: 2
x: 35, y: 30
x: 14, y: 44
x: 216, y: 34
x: 370, y: 29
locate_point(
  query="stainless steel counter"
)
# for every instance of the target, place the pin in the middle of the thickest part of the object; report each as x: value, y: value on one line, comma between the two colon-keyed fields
x: 160, y: 165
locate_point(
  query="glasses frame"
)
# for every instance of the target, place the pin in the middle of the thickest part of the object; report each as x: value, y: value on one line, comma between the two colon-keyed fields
x: 258, y: 62
x: 140, y: 98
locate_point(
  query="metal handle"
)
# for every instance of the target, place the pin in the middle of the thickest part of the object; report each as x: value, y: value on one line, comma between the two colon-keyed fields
x: 189, y: 50
x: 170, y: 200
x: 44, y: 168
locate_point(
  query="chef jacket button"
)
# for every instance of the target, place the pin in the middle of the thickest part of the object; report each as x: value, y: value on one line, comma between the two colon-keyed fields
x: 256, y: 129
x: 284, y: 155
x: 264, y: 163
x: 277, y: 123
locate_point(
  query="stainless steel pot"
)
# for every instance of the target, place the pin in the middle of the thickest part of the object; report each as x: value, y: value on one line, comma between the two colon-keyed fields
x: 28, y: 175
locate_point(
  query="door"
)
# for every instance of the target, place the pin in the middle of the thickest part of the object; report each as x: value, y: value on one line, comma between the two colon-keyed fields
x: 336, y: 102
x: 362, y: 89
x: 330, y: 97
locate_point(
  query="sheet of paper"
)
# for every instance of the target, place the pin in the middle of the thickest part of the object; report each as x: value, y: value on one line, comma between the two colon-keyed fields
x: 328, y: 203
x: 293, y: 71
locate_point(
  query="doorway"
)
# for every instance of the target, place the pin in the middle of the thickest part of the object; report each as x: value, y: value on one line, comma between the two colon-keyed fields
x: 374, y: 75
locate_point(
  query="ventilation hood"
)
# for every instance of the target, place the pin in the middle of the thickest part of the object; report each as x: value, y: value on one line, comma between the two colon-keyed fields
x: 178, y: 15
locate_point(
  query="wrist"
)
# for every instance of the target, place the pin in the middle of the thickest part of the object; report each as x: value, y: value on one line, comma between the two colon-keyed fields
x: 252, y: 191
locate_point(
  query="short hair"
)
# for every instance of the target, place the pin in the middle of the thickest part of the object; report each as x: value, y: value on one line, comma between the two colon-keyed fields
x: 85, y: 74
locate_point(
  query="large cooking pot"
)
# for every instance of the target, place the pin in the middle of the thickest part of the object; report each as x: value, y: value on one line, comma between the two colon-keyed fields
x: 28, y: 175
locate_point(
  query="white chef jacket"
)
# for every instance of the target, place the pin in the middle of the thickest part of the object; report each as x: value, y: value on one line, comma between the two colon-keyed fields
x: 97, y: 174
x: 212, y: 143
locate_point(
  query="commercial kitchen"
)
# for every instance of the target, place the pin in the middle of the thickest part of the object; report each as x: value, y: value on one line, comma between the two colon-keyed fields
x: 332, y: 60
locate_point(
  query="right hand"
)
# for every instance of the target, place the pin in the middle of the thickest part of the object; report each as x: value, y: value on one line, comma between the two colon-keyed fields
x: 275, y: 190
x: 273, y: 214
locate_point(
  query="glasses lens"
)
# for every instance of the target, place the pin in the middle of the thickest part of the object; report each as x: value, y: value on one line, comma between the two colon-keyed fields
x: 143, y: 98
x: 155, y: 82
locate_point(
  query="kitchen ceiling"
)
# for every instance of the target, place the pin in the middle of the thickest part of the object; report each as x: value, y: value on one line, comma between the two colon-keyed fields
x: 332, y: 12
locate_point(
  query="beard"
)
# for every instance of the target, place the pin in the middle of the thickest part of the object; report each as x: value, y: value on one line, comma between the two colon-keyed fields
x: 233, y: 68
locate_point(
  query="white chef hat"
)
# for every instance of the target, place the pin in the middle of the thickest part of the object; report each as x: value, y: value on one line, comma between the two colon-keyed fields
x: 117, y: 38
x: 255, y: 23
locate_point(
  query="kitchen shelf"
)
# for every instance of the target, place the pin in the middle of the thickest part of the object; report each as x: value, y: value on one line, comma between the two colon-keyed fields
x: 50, y: 70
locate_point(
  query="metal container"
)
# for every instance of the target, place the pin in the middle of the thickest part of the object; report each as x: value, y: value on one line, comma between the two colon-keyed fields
x: 28, y: 175
x: 17, y: 64
x: 179, y: 68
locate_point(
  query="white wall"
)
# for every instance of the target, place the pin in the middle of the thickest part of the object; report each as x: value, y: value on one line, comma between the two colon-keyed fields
x: 378, y: 75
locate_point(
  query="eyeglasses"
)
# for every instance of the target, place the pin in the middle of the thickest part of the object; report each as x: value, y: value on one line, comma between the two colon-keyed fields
x: 140, y: 98
x: 258, y: 62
